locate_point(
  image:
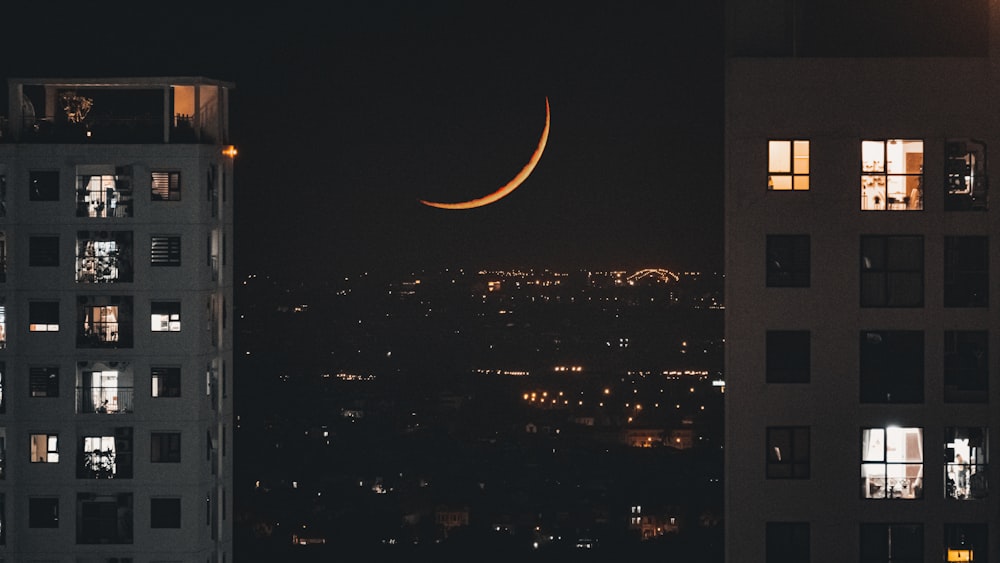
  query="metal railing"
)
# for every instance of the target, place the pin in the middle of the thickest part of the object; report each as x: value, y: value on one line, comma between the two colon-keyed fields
x: 105, y: 400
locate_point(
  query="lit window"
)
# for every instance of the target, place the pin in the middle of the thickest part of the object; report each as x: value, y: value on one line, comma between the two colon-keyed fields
x: 166, y: 381
x: 965, y: 175
x: 43, y: 381
x: 787, y: 357
x: 892, y: 271
x: 966, y: 366
x: 788, y: 165
x: 892, y: 175
x: 98, y: 458
x: 966, y: 271
x: 44, y: 448
x: 892, y: 463
x: 104, y: 387
x: 103, y: 256
x: 104, y: 322
x: 43, y: 316
x: 166, y: 186
x: 788, y: 452
x: 104, y: 195
x: 788, y: 262
x: 165, y: 316
x: 965, y: 542
x: 966, y: 463
x: 891, y: 366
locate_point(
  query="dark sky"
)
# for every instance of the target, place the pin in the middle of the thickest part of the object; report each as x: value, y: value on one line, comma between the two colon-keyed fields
x: 347, y: 113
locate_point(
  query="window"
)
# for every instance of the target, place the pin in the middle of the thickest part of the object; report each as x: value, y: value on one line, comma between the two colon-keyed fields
x: 788, y: 165
x: 165, y: 447
x: 165, y: 250
x: 788, y: 261
x: 787, y: 542
x: 3, y: 466
x: 965, y: 542
x: 787, y: 356
x: 892, y: 543
x: 788, y: 452
x: 43, y: 185
x: 166, y: 186
x: 165, y: 512
x: 107, y: 456
x: 103, y: 256
x: 43, y: 250
x: 43, y: 512
x: 166, y: 381
x: 104, y: 518
x: 44, y: 448
x: 892, y: 463
x: 892, y: 271
x: 3, y: 382
x: 3, y: 212
x: 165, y: 316
x: 43, y: 381
x: 892, y: 366
x: 104, y: 387
x: 966, y: 463
x: 104, y: 321
x: 43, y: 316
x: 3, y: 254
x: 892, y: 175
x: 104, y: 195
x: 966, y: 271
x: 965, y: 175
x: 966, y: 366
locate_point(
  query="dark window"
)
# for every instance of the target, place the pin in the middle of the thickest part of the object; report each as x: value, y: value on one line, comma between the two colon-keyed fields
x: 788, y: 356
x: 966, y: 366
x: 43, y: 381
x: 166, y: 381
x: 165, y: 513
x: 43, y: 251
x: 892, y: 271
x: 965, y: 542
x: 165, y: 447
x: 966, y: 272
x: 966, y: 182
x: 892, y: 366
x: 43, y: 316
x: 43, y: 185
x: 788, y: 261
x: 165, y: 250
x: 43, y: 512
x: 104, y: 518
x: 787, y: 542
x: 892, y: 543
x: 788, y: 452
x: 166, y: 186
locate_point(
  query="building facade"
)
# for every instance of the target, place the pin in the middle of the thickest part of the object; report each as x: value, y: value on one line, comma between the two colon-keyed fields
x: 115, y: 321
x: 862, y: 346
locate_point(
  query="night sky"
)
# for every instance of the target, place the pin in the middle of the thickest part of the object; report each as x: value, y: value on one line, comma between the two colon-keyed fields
x: 347, y: 113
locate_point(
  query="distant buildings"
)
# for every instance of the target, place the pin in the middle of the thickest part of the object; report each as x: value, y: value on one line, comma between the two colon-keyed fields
x: 859, y: 269
x: 115, y: 321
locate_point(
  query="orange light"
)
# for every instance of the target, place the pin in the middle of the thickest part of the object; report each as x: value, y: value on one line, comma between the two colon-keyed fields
x: 230, y: 151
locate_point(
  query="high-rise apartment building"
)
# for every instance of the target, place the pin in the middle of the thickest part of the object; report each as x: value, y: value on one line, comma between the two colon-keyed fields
x: 861, y: 252
x: 116, y: 199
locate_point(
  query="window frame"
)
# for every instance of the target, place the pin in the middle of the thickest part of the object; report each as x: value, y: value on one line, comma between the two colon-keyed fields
x: 165, y: 185
x: 877, y: 458
x: 966, y: 283
x: 788, y: 172
x: 35, y: 505
x: 795, y: 252
x: 788, y: 367
x: 43, y: 381
x: 165, y: 316
x: 43, y: 251
x: 797, y: 463
x: 886, y: 274
x: 43, y: 185
x: 163, y: 379
x: 51, y: 454
x: 894, y: 368
x: 164, y: 447
x: 164, y: 251
x: 878, y: 177
x: 43, y: 316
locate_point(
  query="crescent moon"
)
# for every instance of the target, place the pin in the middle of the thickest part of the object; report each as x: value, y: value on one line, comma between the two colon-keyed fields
x: 509, y: 186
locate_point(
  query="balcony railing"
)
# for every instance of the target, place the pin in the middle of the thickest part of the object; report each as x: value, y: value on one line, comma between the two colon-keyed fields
x: 104, y: 400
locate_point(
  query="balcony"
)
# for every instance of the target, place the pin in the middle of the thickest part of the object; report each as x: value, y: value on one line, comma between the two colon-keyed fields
x: 105, y: 400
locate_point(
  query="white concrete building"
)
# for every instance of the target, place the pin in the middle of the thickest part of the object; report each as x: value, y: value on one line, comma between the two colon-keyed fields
x: 116, y: 202
x: 862, y: 348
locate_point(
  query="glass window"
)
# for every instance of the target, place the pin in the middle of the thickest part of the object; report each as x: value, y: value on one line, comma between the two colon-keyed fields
x: 965, y: 175
x: 966, y: 366
x: 104, y: 195
x: 43, y: 381
x: 104, y: 321
x: 892, y: 463
x: 788, y: 165
x: 788, y: 452
x: 892, y: 543
x: 966, y: 271
x: 165, y: 316
x: 43, y: 185
x: 166, y: 381
x: 788, y: 356
x: 166, y: 186
x: 788, y: 262
x: 103, y: 256
x: 892, y: 271
x: 891, y: 366
x: 43, y: 512
x: 965, y: 542
x: 787, y: 542
x: 165, y: 447
x: 43, y: 316
x: 104, y: 518
x: 164, y: 512
x: 104, y: 387
x: 892, y: 174
x: 165, y: 250
x: 44, y: 448
x: 43, y: 250
x: 966, y: 463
